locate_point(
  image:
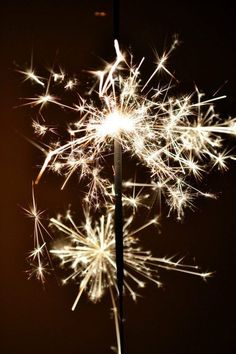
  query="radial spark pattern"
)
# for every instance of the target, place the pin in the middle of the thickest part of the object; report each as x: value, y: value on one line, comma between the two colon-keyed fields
x: 176, y: 138
x: 89, y: 256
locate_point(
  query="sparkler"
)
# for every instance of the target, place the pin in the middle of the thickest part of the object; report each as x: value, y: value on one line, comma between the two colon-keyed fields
x: 175, y: 139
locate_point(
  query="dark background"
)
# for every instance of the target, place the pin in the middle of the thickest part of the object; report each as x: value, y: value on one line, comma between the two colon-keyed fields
x: 187, y: 316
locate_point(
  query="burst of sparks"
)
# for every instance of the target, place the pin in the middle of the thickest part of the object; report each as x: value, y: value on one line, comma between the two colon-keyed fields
x: 176, y: 138
x: 41, y: 129
x: 89, y: 254
x: 40, y: 252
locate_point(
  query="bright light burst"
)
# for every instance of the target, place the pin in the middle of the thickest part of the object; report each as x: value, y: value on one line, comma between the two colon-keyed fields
x: 89, y: 254
x: 177, y: 139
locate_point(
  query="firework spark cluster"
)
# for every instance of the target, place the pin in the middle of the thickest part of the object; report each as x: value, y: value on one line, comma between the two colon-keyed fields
x: 175, y: 140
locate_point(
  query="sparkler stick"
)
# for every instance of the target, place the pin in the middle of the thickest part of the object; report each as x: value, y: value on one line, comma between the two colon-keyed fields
x: 119, y: 232
x: 118, y: 203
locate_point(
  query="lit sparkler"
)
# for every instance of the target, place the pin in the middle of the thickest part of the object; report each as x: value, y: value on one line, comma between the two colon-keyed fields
x: 176, y: 138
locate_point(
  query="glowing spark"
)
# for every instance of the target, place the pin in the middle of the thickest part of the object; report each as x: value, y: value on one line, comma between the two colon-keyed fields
x: 39, y: 129
x: 44, y: 99
x: 42, y: 129
x: 70, y: 85
x: 100, y: 13
x: 58, y: 76
x: 30, y: 75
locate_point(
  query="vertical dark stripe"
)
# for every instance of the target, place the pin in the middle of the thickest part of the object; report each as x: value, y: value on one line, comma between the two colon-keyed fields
x: 118, y: 199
